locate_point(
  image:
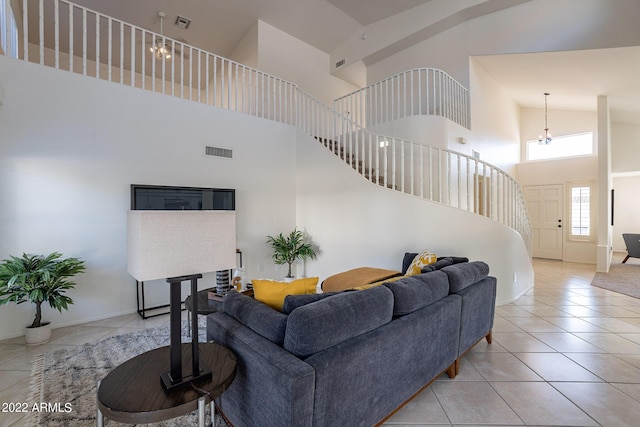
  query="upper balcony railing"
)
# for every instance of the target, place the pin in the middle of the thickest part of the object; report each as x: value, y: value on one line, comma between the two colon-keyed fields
x: 69, y: 37
x: 422, y: 91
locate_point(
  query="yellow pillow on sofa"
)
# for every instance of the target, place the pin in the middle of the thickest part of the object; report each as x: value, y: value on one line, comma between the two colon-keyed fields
x: 424, y: 258
x: 273, y: 293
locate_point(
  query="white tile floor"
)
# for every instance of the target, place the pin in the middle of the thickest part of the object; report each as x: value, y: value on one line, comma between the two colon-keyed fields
x: 566, y: 354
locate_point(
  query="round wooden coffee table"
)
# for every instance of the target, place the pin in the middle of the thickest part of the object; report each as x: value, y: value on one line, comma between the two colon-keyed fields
x: 133, y: 393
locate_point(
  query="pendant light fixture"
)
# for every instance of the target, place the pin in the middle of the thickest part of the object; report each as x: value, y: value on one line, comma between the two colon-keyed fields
x: 546, y: 139
x: 161, y: 49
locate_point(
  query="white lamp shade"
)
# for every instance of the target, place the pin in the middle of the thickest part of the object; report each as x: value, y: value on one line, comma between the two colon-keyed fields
x: 163, y: 244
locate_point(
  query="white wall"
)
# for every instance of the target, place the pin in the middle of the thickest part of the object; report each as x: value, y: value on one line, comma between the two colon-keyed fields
x: 356, y: 223
x: 495, y: 121
x: 434, y: 131
x: 625, y: 147
x: 71, y: 146
x: 626, y: 208
x: 246, y: 52
x: 288, y: 58
x: 625, y: 165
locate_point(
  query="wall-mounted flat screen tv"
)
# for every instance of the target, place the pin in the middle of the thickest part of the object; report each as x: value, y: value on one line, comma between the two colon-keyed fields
x: 160, y: 197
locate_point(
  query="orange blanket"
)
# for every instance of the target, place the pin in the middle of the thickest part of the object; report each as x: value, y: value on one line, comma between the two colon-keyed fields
x: 357, y: 277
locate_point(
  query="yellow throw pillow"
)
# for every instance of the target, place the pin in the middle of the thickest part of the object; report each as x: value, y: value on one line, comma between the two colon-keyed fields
x: 273, y: 293
x: 422, y: 259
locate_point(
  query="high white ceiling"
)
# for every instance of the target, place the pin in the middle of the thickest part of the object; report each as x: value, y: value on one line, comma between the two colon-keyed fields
x: 573, y: 79
x: 219, y: 25
x: 369, y: 11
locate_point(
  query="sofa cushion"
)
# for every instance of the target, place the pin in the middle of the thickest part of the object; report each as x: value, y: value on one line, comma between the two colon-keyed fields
x: 465, y: 274
x: 411, y: 293
x: 329, y: 321
x: 440, y: 263
x: 257, y: 316
x: 456, y: 259
x: 422, y: 259
x: 273, y: 293
x: 291, y: 302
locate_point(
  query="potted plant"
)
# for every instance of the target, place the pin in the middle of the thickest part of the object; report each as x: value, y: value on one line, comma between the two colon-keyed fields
x: 288, y: 249
x: 38, y: 279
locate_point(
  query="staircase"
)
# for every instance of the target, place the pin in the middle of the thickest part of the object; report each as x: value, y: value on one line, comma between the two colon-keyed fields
x: 76, y: 39
x: 358, y: 165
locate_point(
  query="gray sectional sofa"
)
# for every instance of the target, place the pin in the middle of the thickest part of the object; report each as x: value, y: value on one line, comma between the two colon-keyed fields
x: 350, y: 358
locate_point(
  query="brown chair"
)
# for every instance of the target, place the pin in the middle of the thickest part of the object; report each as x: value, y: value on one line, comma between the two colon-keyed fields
x: 633, y: 245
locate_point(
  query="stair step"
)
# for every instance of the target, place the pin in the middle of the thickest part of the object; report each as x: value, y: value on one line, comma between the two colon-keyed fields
x: 350, y: 160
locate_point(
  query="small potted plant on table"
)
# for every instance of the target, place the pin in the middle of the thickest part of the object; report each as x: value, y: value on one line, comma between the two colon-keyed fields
x: 288, y: 249
x: 38, y: 279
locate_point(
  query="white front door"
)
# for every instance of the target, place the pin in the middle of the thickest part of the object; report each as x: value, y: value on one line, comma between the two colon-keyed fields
x: 544, y: 203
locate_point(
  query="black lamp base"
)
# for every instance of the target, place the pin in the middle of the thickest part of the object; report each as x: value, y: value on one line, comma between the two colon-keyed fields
x: 174, y: 379
x: 171, y: 384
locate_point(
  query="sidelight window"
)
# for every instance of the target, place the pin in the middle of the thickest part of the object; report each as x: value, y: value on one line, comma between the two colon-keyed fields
x: 581, y: 224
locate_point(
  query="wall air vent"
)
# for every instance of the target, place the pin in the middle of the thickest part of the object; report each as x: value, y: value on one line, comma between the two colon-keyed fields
x: 218, y: 152
x: 340, y: 63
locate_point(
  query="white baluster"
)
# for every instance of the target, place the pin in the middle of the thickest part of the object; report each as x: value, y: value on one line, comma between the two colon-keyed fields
x: 41, y: 31
x: 25, y: 29
x: 121, y: 52
x: 56, y: 32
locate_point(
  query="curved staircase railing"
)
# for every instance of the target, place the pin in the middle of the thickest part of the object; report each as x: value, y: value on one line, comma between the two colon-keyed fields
x: 435, y: 174
x: 421, y: 91
x: 63, y: 35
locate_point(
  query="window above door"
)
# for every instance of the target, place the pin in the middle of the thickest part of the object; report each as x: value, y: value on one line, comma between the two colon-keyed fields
x: 576, y: 145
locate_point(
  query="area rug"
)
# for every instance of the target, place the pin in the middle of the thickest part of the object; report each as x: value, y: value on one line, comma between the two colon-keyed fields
x: 621, y: 278
x: 66, y: 379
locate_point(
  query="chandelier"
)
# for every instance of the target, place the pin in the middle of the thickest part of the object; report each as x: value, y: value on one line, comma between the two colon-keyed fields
x: 546, y: 139
x: 160, y: 49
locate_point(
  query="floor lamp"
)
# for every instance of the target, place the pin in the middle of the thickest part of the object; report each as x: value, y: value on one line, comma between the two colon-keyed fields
x: 179, y: 246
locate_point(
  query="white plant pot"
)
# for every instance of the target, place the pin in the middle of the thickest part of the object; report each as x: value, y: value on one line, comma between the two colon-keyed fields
x: 289, y: 279
x: 35, y: 336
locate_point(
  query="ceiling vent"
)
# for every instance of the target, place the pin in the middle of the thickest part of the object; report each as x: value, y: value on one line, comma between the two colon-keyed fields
x: 218, y: 152
x: 183, y: 22
x: 340, y: 63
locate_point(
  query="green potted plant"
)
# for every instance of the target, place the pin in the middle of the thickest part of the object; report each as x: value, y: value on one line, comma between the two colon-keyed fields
x: 288, y: 249
x: 38, y: 279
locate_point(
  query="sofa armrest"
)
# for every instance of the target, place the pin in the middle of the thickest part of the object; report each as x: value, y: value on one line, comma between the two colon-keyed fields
x: 478, y: 311
x: 271, y: 387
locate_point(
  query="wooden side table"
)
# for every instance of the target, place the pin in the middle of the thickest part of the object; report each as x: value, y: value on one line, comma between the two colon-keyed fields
x: 133, y: 393
x: 205, y: 306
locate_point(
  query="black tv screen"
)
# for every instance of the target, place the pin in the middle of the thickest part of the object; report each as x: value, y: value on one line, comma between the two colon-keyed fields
x: 166, y: 198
